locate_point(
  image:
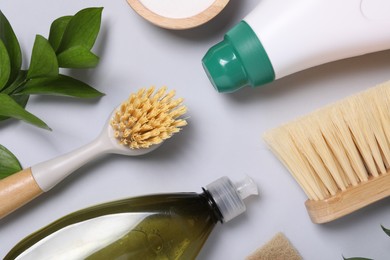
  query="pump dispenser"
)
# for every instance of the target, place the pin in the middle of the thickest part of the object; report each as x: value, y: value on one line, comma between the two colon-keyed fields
x: 162, y: 226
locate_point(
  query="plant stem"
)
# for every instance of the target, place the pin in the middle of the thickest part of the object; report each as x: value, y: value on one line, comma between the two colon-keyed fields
x: 20, y: 81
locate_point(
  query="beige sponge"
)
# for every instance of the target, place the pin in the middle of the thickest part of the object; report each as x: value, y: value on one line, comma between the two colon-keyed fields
x: 278, y: 248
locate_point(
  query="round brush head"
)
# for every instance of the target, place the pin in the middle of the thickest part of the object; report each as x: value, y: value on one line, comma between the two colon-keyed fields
x: 148, y: 117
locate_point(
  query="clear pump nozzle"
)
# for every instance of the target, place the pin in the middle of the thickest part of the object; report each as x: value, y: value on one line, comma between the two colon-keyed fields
x: 246, y: 188
x: 230, y: 196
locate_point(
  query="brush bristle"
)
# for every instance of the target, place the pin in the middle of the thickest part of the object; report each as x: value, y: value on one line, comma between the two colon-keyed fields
x: 338, y: 146
x: 147, y: 118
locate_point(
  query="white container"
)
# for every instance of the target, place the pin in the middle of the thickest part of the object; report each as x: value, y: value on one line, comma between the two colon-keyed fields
x: 281, y: 37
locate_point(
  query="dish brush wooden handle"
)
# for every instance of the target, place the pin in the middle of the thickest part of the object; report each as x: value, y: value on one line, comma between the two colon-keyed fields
x: 345, y: 202
x: 16, y: 190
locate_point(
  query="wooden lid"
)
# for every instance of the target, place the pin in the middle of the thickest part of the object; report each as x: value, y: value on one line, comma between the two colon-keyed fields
x: 178, y: 23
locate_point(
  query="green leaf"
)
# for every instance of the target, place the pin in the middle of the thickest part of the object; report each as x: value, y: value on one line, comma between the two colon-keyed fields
x: 57, y: 30
x: 5, y: 65
x: 11, y: 43
x: 61, y: 85
x: 18, y: 82
x: 387, y: 231
x: 21, y: 100
x: 82, y: 29
x: 9, y: 164
x: 77, y: 57
x: 10, y: 108
x: 43, y: 59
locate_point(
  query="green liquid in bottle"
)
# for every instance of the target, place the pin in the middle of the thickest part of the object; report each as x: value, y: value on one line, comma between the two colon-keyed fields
x: 161, y: 227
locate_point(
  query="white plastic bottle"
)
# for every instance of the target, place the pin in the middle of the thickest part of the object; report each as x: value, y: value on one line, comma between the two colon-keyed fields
x: 281, y: 37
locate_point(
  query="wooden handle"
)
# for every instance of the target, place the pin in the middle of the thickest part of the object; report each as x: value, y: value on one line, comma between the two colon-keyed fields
x: 346, y: 202
x: 16, y: 190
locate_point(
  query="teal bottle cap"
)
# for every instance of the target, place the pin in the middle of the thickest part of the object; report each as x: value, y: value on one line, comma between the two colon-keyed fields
x: 237, y: 61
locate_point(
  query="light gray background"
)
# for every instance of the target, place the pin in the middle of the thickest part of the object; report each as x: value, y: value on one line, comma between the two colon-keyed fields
x: 223, y: 136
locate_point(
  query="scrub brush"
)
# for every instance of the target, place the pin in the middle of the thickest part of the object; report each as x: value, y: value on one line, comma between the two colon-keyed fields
x: 138, y: 126
x: 339, y: 154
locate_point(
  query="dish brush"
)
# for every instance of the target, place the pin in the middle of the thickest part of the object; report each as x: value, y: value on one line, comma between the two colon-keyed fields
x: 339, y: 154
x: 138, y: 126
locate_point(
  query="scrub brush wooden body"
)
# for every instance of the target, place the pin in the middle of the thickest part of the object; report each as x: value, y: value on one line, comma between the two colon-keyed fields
x: 136, y: 127
x: 339, y: 154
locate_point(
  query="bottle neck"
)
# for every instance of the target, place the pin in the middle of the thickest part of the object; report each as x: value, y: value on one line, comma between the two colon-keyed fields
x: 213, y: 206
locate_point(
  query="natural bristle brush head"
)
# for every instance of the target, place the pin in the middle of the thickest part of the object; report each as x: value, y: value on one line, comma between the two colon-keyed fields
x: 147, y: 118
x: 339, y: 154
x: 138, y: 126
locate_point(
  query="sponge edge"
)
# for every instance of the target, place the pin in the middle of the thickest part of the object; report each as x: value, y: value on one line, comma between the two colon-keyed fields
x: 278, y: 248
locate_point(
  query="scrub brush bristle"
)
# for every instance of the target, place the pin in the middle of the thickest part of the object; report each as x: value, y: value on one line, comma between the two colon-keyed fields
x: 339, y: 154
x: 147, y: 118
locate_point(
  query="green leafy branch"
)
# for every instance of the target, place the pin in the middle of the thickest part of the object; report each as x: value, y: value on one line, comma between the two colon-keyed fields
x: 69, y: 45
x: 387, y: 231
